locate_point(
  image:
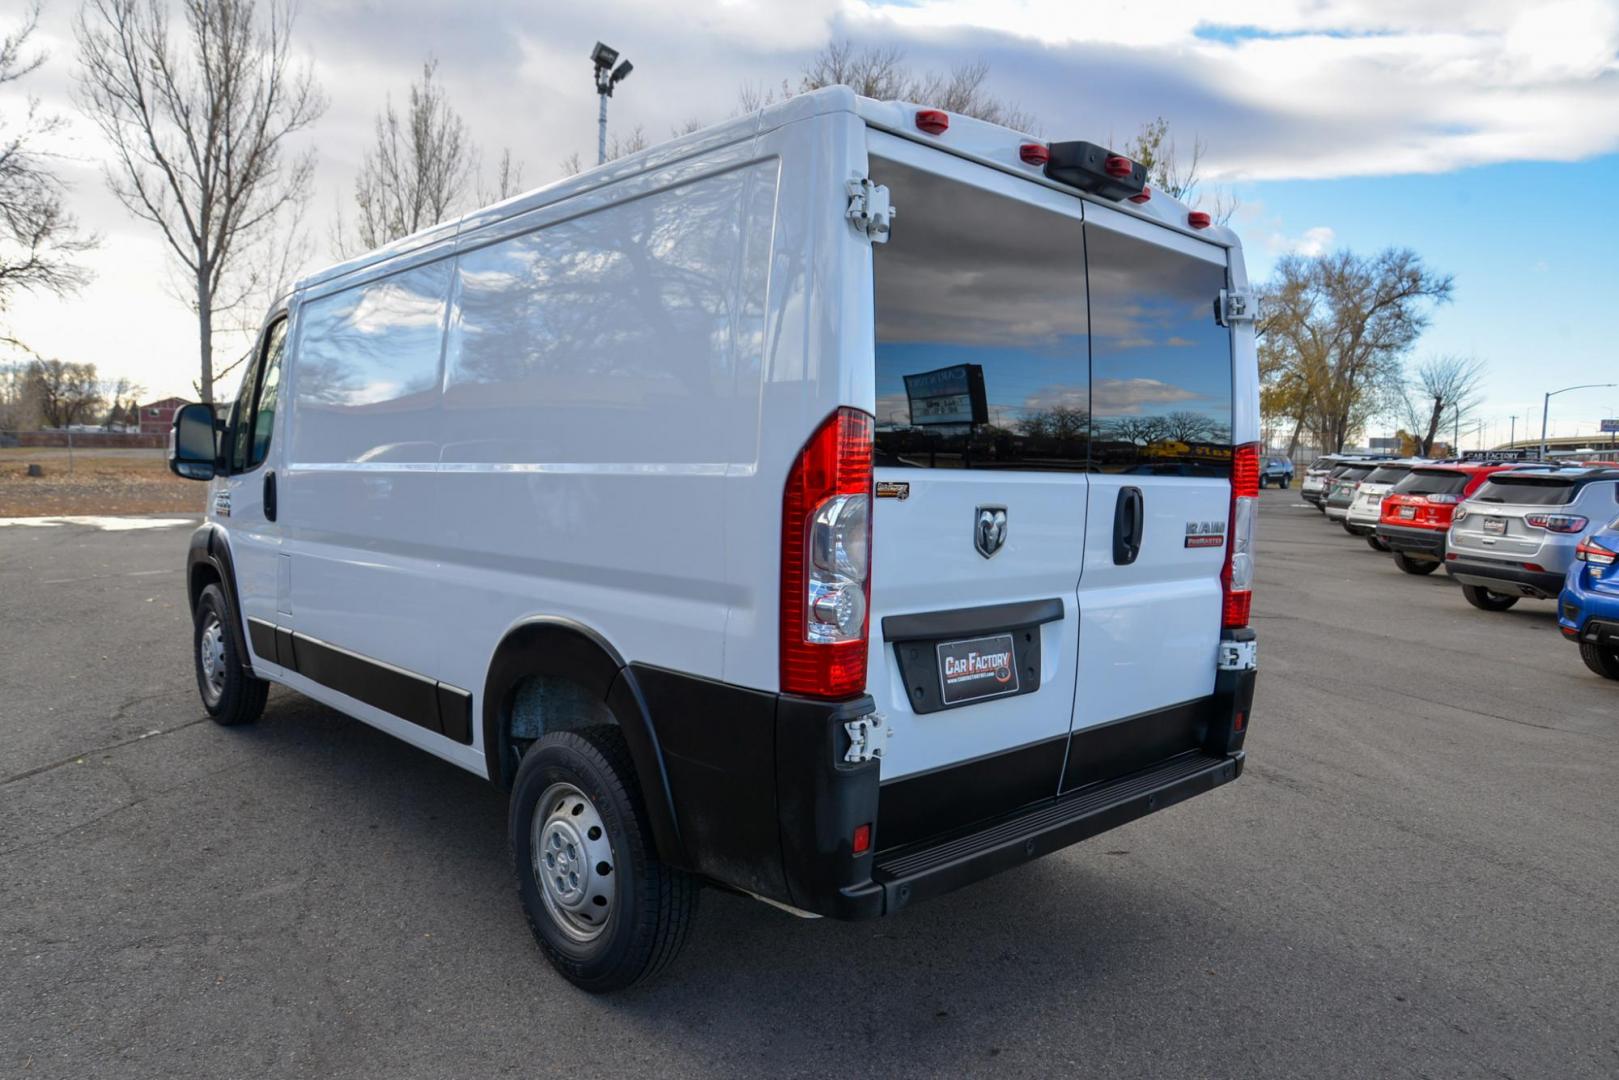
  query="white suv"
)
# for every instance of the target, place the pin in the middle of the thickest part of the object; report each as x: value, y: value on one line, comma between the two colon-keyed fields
x: 1367, y: 506
x: 744, y: 532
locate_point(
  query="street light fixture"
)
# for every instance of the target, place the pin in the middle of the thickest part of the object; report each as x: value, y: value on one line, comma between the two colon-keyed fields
x: 607, y: 77
x: 1546, y: 404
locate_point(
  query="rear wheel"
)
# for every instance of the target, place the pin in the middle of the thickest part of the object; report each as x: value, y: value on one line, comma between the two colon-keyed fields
x: 1376, y: 544
x: 1415, y: 566
x: 229, y: 693
x: 1485, y: 600
x: 1603, y: 661
x: 1348, y: 528
x: 604, y: 910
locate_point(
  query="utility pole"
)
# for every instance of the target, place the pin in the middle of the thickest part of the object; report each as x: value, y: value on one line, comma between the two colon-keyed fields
x: 1546, y: 404
x: 607, y: 77
x: 1513, y: 441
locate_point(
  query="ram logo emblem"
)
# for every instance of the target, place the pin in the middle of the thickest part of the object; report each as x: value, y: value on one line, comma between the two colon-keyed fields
x: 989, y: 529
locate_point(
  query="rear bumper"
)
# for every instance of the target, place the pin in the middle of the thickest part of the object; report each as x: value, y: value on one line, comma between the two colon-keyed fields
x: 1514, y: 581
x: 906, y: 876
x: 1336, y: 513
x: 1413, y: 541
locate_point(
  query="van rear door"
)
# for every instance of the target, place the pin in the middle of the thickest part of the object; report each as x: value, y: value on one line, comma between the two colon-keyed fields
x: 982, y: 403
x: 1150, y: 597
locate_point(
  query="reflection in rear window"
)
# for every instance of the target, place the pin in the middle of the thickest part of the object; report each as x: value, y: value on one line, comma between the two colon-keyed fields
x: 1526, y: 491
x: 1387, y: 474
x: 1353, y: 472
x: 1431, y: 482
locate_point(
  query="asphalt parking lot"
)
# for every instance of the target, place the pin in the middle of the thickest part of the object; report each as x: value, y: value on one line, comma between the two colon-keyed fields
x: 1417, y: 876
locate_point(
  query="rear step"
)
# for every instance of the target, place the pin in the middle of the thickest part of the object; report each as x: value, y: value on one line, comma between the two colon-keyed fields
x: 937, y: 866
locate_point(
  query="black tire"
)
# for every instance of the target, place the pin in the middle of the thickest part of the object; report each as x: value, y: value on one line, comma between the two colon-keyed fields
x: 1485, y: 600
x: 1261, y: 481
x: 1284, y: 482
x: 1604, y: 662
x: 229, y: 693
x: 1376, y: 544
x: 650, y: 907
x: 1415, y: 566
x: 1348, y: 528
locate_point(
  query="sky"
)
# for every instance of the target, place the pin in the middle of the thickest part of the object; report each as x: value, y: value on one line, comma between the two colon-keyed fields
x: 1484, y: 135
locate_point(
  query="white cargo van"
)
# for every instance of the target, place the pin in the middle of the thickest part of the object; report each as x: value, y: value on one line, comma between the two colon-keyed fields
x: 836, y: 506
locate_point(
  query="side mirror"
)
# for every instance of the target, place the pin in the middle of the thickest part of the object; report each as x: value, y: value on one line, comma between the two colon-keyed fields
x: 193, y: 442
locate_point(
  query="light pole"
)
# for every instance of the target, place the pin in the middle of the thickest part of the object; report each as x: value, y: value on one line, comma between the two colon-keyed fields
x: 607, y: 77
x: 1546, y: 404
x: 1512, y: 443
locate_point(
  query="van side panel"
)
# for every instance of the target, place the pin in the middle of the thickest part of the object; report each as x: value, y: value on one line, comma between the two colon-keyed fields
x: 601, y: 382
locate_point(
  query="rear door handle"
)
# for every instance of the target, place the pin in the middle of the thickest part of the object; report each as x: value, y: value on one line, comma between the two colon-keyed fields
x: 1129, y: 517
x: 269, y: 495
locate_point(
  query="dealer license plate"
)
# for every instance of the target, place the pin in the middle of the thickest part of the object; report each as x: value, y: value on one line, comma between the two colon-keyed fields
x: 976, y: 668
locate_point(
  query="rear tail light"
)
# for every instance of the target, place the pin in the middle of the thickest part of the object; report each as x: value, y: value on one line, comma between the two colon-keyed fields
x: 932, y: 121
x: 1237, y: 578
x: 1594, y: 553
x: 826, y: 560
x: 1557, y: 523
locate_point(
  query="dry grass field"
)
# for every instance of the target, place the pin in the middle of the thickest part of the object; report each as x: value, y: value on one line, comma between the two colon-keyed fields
x: 93, y: 482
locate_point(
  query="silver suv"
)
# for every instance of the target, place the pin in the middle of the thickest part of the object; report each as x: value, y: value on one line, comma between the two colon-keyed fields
x: 1516, y: 535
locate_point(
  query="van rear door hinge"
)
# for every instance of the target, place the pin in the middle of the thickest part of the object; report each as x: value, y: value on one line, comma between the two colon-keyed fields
x: 868, y: 738
x: 1232, y: 307
x: 869, y: 209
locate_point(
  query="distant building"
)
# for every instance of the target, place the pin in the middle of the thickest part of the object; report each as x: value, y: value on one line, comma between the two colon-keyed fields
x: 158, y: 416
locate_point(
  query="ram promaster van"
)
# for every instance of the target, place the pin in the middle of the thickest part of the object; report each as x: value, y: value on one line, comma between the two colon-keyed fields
x: 836, y: 506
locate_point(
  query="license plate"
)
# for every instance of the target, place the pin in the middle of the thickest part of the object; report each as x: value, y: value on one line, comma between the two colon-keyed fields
x: 977, y: 668
x: 1408, y: 512
x: 1498, y: 526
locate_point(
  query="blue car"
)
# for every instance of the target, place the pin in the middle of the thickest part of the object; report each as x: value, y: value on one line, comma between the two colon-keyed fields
x: 1588, y: 609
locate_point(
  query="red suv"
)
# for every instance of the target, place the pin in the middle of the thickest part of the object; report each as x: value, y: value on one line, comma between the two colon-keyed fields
x: 1416, y: 512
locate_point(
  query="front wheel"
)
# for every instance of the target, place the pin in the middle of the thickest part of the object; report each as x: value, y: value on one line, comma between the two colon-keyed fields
x: 229, y: 693
x: 1604, y: 662
x: 1414, y: 566
x: 1485, y: 600
x: 1284, y: 482
x: 604, y: 910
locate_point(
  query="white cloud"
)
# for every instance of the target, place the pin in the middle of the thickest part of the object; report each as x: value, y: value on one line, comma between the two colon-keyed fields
x: 1311, y: 242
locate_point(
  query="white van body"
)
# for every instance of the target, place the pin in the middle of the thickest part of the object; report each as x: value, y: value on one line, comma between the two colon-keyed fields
x: 525, y: 471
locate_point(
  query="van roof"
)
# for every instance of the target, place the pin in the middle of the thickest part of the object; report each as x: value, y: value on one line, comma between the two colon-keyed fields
x: 986, y: 143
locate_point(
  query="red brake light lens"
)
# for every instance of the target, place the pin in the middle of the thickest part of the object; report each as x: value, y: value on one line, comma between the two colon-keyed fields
x: 1034, y: 153
x: 1594, y: 553
x: 1237, y: 577
x: 932, y: 121
x: 1199, y: 219
x: 861, y: 841
x: 1557, y: 523
x: 826, y: 560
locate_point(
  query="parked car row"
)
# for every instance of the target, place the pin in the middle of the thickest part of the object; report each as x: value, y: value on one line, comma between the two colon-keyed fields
x: 1504, y: 530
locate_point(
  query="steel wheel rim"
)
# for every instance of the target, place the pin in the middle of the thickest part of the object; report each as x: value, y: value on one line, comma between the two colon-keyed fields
x: 211, y: 657
x: 572, y: 862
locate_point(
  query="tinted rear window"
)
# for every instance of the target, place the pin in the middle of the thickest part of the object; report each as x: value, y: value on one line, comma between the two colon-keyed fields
x: 1354, y: 472
x: 1431, y: 482
x: 1387, y: 474
x: 1527, y: 490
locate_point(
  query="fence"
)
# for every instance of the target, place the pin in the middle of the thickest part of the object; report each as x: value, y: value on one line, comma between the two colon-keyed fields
x: 85, y: 440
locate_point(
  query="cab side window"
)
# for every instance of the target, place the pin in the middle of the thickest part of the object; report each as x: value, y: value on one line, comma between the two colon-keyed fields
x: 253, y: 417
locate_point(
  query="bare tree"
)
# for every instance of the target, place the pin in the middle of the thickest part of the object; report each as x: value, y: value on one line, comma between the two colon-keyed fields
x: 1335, y: 330
x: 199, y: 122
x: 416, y: 172
x: 39, y: 240
x: 881, y: 72
x: 115, y: 392
x: 506, y: 182
x: 1154, y: 147
x: 67, y: 393
x: 1444, y: 390
x: 19, y: 403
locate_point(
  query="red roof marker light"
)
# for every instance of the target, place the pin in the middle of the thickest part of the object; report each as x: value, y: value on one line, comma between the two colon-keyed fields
x: 1142, y: 196
x: 1199, y: 219
x: 1118, y: 165
x: 1034, y: 153
x: 932, y: 121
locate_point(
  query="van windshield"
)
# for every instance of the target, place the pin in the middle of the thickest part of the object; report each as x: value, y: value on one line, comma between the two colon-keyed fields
x: 1012, y: 336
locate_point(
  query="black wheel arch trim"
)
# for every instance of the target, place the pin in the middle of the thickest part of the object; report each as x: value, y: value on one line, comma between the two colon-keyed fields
x: 564, y: 648
x: 209, y: 548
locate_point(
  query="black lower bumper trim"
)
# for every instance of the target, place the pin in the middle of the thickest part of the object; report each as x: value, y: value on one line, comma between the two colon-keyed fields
x: 1511, y: 580
x: 1413, y: 541
x: 1600, y: 631
x: 913, y: 874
